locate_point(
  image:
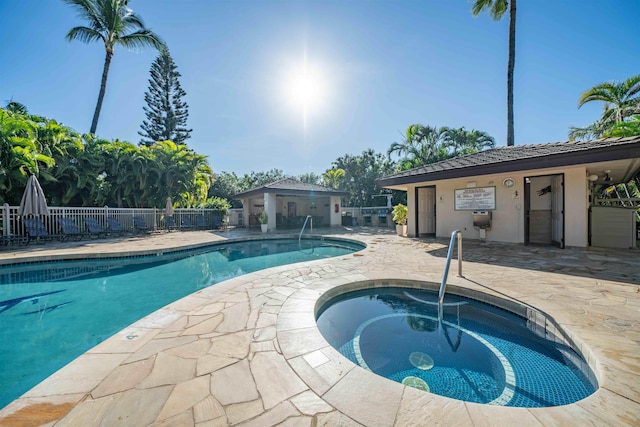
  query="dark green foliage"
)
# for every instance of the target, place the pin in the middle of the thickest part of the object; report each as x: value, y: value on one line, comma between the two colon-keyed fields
x: 81, y: 170
x: 258, y: 179
x: 225, y: 185
x: 360, y: 174
x: 621, y: 104
x: 425, y: 144
x: 310, y: 178
x: 166, y: 112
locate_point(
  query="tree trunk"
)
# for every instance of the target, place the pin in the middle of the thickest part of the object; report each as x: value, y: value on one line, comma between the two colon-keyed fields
x: 103, y: 88
x: 511, y: 63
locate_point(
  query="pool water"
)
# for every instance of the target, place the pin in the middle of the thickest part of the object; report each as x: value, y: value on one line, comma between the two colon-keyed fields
x: 477, y: 353
x: 51, y: 313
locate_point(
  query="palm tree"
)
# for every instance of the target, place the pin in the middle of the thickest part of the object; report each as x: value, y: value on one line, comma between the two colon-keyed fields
x: 497, y: 9
x: 112, y: 22
x: 622, y: 100
x: 461, y: 141
x: 21, y: 154
x: 422, y: 145
x: 333, y: 177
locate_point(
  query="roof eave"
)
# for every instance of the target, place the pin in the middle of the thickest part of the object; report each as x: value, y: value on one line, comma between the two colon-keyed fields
x: 615, y: 152
x: 288, y: 192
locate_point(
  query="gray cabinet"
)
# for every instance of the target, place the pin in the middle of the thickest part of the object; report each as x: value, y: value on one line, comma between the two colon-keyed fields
x: 612, y: 227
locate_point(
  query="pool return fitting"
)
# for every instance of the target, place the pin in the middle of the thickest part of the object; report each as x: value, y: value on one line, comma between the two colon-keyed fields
x: 443, y: 286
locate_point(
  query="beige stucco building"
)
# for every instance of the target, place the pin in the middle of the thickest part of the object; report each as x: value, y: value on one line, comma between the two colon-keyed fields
x: 534, y: 194
x: 288, y: 202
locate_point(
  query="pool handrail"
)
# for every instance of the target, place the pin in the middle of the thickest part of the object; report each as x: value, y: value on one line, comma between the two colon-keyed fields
x: 443, y: 286
x: 309, y: 217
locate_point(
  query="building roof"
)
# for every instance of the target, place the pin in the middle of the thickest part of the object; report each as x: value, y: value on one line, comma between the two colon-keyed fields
x: 522, y: 157
x: 293, y: 187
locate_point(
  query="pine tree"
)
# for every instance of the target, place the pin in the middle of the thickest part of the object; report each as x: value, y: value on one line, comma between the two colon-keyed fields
x: 166, y: 112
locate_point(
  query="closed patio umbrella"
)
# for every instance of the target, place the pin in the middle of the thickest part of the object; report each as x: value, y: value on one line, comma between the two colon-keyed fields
x: 33, y: 201
x: 168, y: 210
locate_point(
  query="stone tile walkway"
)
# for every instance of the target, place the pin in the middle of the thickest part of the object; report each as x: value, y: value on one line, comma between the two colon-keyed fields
x: 247, y: 351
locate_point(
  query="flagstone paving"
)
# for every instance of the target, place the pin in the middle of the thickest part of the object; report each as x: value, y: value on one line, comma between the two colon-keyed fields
x: 247, y: 351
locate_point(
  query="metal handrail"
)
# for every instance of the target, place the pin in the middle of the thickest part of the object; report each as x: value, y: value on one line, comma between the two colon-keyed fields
x: 304, y: 225
x: 443, y: 285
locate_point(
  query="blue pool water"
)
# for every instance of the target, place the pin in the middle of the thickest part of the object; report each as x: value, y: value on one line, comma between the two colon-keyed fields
x: 51, y: 313
x: 478, y: 353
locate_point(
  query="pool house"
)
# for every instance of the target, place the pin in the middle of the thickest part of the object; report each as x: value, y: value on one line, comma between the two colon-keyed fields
x: 288, y: 202
x: 551, y: 194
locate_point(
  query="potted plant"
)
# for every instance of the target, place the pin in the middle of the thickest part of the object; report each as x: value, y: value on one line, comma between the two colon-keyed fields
x: 400, y: 213
x: 264, y: 219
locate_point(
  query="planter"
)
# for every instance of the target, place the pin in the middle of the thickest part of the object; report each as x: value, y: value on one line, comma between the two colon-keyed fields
x: 264, y: 227
x: 401, y: 229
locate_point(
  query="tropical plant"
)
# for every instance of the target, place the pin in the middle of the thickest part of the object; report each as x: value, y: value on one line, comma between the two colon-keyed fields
x: 16, y: 108
x: 225, y: 186
x: 425, y: 144
x: 21, y: 155
x: 460, y: 142
x: 113, y: 23
x: 621, y: 102
x: 217, y: 203
x: 333, y: 178
x: 176, y: 171
x: 400, y: 213
x: 631, y: 127
x: 422, y: 145
x: 310, y: 178
x: 77, y: 170
x: 497, y: 9
x: 263, y: 217
x: 258, y: 179
x: 360, y: 174
x: 165, y: 111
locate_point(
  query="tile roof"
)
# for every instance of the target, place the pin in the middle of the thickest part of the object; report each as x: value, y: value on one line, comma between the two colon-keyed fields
x: 292, y: 186
x: 520, y: 157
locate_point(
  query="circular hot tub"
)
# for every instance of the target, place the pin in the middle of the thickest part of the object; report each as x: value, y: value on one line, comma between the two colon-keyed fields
x: 477, y: 352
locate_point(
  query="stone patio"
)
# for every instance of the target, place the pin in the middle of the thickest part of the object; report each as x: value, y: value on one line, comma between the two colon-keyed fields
x: 247, y: 351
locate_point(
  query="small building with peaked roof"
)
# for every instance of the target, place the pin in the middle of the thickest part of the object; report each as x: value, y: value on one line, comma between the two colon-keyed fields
x: 289, y: 201
x: 527, y: 194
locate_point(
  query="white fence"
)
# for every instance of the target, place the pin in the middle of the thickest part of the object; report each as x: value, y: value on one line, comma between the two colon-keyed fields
x: 13, y: 225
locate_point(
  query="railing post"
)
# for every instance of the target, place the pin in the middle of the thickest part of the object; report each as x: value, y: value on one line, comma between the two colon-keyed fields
x: 459, y: 254
x: 5, y: 220
x: 456, y: 235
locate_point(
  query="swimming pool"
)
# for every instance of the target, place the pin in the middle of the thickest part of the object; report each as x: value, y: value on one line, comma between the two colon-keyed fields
x: 477, y: 353
x: 52, y: 312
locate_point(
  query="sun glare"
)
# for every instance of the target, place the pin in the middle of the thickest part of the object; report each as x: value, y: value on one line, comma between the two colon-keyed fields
x: 305, y: 89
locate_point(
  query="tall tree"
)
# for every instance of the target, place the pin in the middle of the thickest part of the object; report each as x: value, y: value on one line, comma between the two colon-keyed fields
x: 113, y: 23
x: 333, y: 177
x: 621, y: 101
x: 422, y: 145
x: 425, y: 144
x: 257, y: 179
x: 360, y: 174
x: 460, y: 141
x: 497, y: 9
x: 166, y: 112
x: 310, y: 178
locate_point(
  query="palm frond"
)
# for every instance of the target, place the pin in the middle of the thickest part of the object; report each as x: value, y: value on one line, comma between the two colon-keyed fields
x: 142, y: 38
x: 84, y: 34
x: 87, y: 11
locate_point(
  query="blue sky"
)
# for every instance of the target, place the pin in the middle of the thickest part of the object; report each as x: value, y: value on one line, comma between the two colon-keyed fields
x: 378, y: 67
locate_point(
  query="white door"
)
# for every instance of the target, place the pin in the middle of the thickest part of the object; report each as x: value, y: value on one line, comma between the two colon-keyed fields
x: 557, y: 210
x: 426, y: 210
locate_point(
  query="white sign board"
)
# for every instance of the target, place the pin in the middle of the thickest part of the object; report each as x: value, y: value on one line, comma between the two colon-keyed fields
x: 475, y: 199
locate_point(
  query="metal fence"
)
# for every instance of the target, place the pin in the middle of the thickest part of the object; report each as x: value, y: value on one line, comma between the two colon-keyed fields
x: 12, y: 225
